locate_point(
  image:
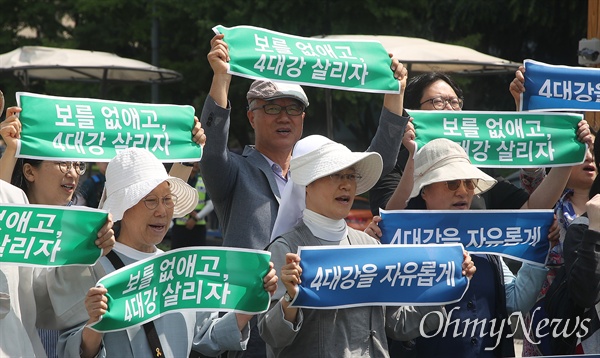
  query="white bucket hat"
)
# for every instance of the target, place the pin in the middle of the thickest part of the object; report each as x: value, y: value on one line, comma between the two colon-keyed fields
x: 314, y: 157
x: 331, y: 157
x: 132, y: 175
x: 442, y: 160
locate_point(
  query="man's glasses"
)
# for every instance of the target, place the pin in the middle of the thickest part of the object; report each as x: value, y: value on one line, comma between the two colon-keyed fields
x: 439, y: 103
x: 65, y: 167
x: 453, y: 185
x: 272, y: 108
x: 352, y: 177
x: 151, y: 201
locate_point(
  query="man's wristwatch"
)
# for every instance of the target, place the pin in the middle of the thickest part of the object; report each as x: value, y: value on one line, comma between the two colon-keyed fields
x: 287, y: 297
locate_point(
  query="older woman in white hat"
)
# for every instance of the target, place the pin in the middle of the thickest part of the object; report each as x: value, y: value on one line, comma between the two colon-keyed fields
x: 440, y: 176
x: 143, y: 199
x: 326, y: 176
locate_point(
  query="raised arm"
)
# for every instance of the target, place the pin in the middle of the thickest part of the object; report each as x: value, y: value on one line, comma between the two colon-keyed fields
x: 517, y: 86
x: 10, y: 130
x: 395, y: 102
x: 401, y: 195
x: 551, y: 188
x: 392, y: 123
x: 218, y: 57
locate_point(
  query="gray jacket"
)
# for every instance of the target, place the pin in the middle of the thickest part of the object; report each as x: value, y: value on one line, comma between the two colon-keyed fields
x: 243, y: 187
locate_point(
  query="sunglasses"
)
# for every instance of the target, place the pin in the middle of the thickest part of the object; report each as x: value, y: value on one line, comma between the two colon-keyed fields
x: 453, y: 185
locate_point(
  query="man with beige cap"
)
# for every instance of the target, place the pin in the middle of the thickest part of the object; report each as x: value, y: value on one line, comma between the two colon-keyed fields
x: 246, y: 189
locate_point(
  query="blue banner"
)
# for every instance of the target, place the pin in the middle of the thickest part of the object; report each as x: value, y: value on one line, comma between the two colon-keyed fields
x: 517, y: 234
x: 350, y: 276
x: 559, y: 88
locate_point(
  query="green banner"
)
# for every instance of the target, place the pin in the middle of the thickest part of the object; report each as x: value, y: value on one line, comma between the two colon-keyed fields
x: 211, y: 279
x: 95, y: 130
x: 256, y: 53
x: 43, y: 235
x: 506, y: 139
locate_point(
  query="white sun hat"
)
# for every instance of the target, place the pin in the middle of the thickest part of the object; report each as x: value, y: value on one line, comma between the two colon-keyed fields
x: 132, y: 175
x: 315, y: 157
x: 293, y: 197
x: 330, y: 158
x: 442, y: 160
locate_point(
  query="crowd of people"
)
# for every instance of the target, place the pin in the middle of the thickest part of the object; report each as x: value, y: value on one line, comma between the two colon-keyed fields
x: 282, y: 193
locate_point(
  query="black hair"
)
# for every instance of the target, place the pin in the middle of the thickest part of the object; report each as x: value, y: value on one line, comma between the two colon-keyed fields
x: 18, y: 177
x: 417, y: 203
x: 417, y: 85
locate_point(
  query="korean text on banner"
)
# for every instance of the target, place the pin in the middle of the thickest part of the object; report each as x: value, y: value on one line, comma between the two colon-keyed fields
x: 43, y: 235
x: 256, y: 53
x: 95, y: 130
x: 212, y: 279
x: 560, y: 88
x: 517, y: 234
x: 366, y: 275
x: 506, y: 139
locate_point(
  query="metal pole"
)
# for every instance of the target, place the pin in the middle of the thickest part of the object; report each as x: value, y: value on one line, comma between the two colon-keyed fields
x: 329, y: 113
x: 104, y: 84
x: 155, y: 93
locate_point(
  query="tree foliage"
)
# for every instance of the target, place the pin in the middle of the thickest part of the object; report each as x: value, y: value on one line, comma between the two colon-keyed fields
x: 545, y: 30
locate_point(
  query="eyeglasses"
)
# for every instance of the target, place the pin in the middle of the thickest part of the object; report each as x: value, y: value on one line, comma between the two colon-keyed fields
x: 151, y: 201
x: 453, y: 185
x: 439, y: 103
x: 65, y: 167
x: 353, y: 177
x: 272, y: 108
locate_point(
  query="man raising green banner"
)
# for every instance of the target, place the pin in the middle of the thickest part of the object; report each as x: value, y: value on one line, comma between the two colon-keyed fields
x: 246, y: 188
x: 349, y: 65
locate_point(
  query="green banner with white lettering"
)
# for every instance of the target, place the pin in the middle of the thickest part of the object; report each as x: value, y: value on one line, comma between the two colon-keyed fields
x: 506, y: 139
x: 211, y: 279
x: 256, y: 53
x: 68, y: 128
x: 43, y: 235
